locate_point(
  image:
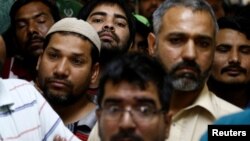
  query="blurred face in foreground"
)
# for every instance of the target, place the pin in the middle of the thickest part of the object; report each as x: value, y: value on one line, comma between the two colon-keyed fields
x: 129, y: 113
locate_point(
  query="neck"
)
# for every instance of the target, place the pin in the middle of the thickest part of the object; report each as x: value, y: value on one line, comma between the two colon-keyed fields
x: 74, y: 112
x: 236, y: 94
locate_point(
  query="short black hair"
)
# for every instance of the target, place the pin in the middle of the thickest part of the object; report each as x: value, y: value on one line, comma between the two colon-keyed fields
x: 19, y: 3
x: 88, y: 8
x: 237, y: 23
x: 138, y: 69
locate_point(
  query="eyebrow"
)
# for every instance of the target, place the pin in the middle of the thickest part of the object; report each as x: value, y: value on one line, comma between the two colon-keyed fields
x: 52, y: 48
x: 105, y: 14
x: 33, y: 17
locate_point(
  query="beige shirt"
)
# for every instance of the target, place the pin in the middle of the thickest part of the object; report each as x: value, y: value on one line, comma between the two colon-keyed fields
x: 190, y: 123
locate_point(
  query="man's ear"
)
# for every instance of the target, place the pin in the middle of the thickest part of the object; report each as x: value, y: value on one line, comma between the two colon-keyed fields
x: 151, y: 43
x: 95, y: 74
x: 168, y: 118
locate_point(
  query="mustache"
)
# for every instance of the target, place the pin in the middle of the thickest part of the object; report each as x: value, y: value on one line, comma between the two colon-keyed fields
x: 234, y: 67
x: 107, y: 30
x: 35, y: 36
x: 127, y: 135
x: 187, y: 64
x: 61, y: 80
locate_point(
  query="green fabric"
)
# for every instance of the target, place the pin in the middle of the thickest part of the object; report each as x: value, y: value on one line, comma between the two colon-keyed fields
x: 142, y: 19
x: 69, y: 8
x: 5, y: 6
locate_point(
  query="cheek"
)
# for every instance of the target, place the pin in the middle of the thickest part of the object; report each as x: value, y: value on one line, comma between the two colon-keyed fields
x: 220, y: 61
x: 107, y: 128
x: 45, y: 69
x: 168, y: 56
x: 21, y: 35
x: 45, y: 28
x: 80, y: 79
x: 123, y: 35
x: 205, y: 60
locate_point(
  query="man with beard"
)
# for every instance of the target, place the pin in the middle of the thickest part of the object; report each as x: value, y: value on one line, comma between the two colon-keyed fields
x: 230, y: 75
x: 133, y: 100
x: 184, y: 42
x: 66, y: 68
x: 30, y: 21
x: 115, y: 25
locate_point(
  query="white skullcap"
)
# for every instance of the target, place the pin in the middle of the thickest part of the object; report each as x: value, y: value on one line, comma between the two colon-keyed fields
x: 78, y: 26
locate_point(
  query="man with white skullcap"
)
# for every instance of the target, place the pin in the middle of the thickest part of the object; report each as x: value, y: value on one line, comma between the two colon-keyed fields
x: 68, y: 65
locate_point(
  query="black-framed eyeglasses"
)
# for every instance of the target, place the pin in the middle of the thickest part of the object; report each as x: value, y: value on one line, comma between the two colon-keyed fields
x: 138, y: 113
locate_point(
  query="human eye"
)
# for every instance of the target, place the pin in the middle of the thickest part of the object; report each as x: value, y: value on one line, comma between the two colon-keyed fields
x: 77, y: 61
x: 20, y: 24
x: 203, y: 42
x: 121, y: 23
x: 41, y: 19
x: 176, y: 39
x: 112, y: 109
x: 145, y: 109
x: 245, y: 49
x: 96, y: 19
x: 52, y: 55
x: 223, y: 48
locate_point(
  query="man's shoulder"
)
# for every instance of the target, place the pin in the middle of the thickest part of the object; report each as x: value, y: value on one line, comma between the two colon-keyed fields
x: 222, y: 106
x: 13, y: 83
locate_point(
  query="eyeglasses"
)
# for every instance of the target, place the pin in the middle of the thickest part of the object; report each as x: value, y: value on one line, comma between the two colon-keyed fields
x: 138, y: 113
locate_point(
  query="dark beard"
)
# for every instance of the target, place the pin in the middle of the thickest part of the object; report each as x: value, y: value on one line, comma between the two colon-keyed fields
x: 188, y: 81
x: 66, y: 99
x: 56, y: 100
x: 126, y: 134
x: 219, y: 86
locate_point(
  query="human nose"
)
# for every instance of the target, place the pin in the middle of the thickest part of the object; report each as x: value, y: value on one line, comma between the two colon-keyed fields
x: 62, y: 68
x: 189, y: 51
x: 234, y: 57
x: 127, y: 120
x: 108, y: 26
x: 32, y: 28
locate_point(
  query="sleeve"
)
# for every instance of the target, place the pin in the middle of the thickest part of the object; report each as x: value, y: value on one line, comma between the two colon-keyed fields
x: 51, y: 123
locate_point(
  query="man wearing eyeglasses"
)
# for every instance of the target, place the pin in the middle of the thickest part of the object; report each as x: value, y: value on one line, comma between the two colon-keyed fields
x: 133, y: 99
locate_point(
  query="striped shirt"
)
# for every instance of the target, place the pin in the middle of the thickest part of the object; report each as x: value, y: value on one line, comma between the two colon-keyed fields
x: 26, y: 116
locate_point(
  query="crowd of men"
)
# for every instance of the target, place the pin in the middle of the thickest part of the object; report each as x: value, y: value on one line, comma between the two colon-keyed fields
x: 149, y: 71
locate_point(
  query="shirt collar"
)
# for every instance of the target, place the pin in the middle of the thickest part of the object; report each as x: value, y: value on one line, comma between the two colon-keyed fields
x: 5, y: 96
x: 205, y: 101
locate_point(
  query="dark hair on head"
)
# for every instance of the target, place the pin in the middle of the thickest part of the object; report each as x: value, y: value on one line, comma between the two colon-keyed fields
x: 95, y: 55
x: 238, y: 23
x: 19, y: 3
x: 88, y: 8
x: 137, y: 69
